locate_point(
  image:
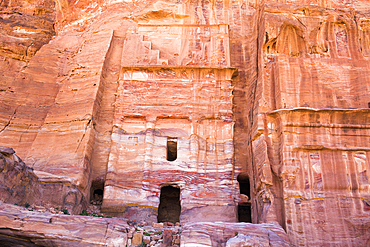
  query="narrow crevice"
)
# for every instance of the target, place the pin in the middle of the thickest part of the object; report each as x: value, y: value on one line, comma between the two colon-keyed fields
x: 83, y: 136
x: 10, y: 120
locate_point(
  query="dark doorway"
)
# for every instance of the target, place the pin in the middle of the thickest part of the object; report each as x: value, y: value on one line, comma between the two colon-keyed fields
x: 96, y: 192
x: 169, y: 206
x: 244, y: 208
x: 244, y: 212
x: 171, y: 149
x: 245, y: 188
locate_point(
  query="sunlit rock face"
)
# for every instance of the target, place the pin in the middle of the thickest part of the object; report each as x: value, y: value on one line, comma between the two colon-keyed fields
x: 313, y: 120
x: 25, y: 27
x: 21, y: 185
x: 172, y: 122
x: 251, y: 111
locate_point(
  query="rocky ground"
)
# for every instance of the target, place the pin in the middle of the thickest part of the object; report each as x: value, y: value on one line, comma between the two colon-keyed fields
x: 38, y: 226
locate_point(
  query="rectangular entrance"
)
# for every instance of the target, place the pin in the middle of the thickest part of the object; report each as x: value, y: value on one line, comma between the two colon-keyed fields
x: 169, y: 207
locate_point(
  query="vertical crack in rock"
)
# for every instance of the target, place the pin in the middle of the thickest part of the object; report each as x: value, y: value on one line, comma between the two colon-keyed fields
x: 10, y: 119
x: 260, y: 21
x: 104, y: 104
x: 83, y: 136
x: 270, y: 149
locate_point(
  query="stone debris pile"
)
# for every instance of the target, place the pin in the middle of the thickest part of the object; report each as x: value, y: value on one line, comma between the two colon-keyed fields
x: 158, y: 234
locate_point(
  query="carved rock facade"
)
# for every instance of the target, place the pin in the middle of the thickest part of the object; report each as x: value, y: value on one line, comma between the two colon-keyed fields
x: 236, y: 108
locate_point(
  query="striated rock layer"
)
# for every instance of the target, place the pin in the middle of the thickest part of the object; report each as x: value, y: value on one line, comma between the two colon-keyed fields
x: 28, y: 228
x: 22, y: 185
x: 250, y: 111
x: 313, y: 119
x: 21, y: 227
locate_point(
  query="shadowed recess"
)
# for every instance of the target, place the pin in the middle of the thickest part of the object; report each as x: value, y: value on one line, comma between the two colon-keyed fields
x: 169, y: 207
x: 97, y: 190
x: 171, y: 149
x: 244, y: 208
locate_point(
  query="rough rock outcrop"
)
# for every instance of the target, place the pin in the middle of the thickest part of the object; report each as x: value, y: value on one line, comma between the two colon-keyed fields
x: 21, y: 185
x: 22, y: 227
x: 18, y: 183
x: 32, y: 228
x: 233, y: 234
x: 25, y: 26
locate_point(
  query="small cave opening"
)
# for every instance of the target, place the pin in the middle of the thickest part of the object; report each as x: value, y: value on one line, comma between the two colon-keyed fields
x: 169, y: 206
x: 96, y: 192
x: 244, y: 207
x: 171, y: 149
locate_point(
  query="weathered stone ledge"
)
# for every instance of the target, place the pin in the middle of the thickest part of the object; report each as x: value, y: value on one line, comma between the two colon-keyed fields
x: 300, y: 199
x: 319, y: 125
x: 321, y: 147
x: 24, y: 227
x: 286, y: 110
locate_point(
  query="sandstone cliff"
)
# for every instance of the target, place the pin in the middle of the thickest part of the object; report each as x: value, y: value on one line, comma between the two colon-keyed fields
x: 266, y: 103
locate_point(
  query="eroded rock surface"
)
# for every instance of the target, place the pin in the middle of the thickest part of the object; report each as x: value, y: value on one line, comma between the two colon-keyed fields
x: 22, y: 185
x: 18, y: 183
x: 31, y: 228
x: 313, y: 119
x: 251, y: 108
x: 233, y: 234
x: 25, y: 27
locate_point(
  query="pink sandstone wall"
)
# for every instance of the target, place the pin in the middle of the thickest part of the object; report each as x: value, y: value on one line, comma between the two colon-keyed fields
x: 300, y: 105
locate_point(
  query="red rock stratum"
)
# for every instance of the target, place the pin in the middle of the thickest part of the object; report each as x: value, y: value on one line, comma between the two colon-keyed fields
x: 190, y: 111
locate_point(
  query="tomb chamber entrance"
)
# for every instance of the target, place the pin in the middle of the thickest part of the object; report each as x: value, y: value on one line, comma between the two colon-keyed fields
x: 172, y: 118
x: 96, y: 192
x: 244, y: 207
x: 169, y: 207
